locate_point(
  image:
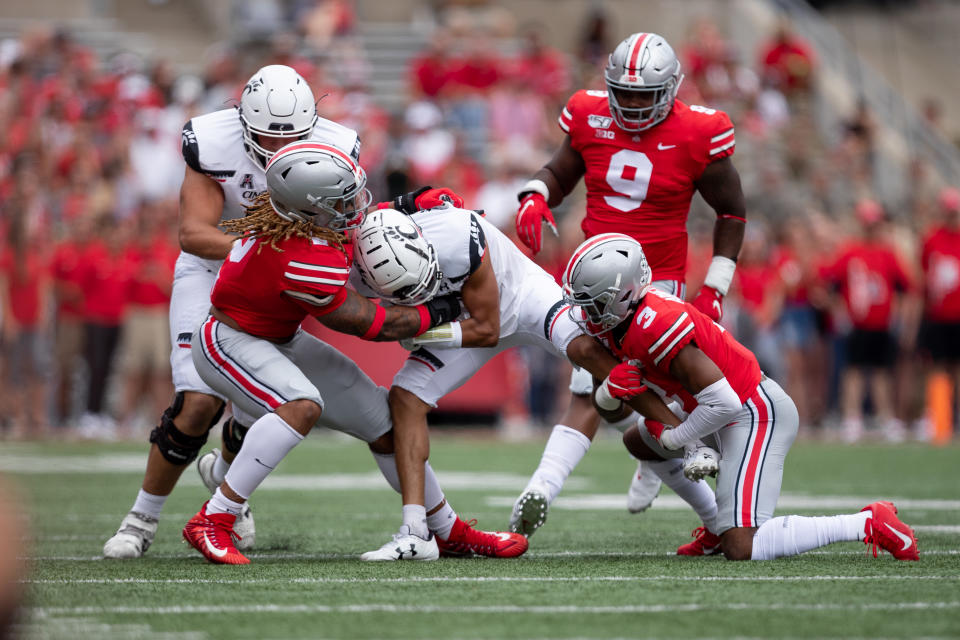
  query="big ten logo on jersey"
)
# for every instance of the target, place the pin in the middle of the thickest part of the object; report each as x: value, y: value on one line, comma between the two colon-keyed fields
x: 605, y: 134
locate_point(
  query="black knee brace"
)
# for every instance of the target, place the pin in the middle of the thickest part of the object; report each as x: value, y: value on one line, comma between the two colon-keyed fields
x: 233, y: 434
x: 177, y: 447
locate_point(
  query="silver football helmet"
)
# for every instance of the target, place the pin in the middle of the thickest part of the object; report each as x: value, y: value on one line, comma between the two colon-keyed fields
x: 643, y: 65
x: 317, y: 183
x: 394, y: 259
x: 603, y: 278
x: 276, y: 102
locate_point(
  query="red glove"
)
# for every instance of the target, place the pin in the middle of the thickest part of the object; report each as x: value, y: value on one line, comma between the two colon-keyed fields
x: 709, y: 302
x: 655, y: 429
x: 436, y: 197
x: 533, y: 210
x: 625, y: 381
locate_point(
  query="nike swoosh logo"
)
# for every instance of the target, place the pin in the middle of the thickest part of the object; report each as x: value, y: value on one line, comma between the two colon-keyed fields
x: 664, y: 147
x: 905, y: 539
x: 529, y: 203
x: 264, y: 465
x: 506, y: 537
x: 222, y: 552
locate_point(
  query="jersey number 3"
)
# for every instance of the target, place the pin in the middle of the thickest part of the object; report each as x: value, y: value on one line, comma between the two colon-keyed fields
x: 628, y: 174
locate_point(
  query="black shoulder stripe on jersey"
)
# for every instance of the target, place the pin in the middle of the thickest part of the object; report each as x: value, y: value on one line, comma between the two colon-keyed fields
x: 227, y: 173
x: 189, y: 147
x: 548, y: 320
x: 478, y: 243
x: 355, y: 154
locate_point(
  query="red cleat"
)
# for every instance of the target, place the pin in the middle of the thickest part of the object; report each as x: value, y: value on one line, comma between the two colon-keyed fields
x: 704, y: 544
x: 884, y: 529
x: 212, y: 535
x: 465, y: 541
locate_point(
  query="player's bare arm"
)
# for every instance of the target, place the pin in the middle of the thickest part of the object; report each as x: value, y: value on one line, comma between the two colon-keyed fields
x: 357, y: 314
x: 694, y: 370
x: 481, y: 297
x: 562, y: 172
x: 720, y: 187
x: 201, y: 205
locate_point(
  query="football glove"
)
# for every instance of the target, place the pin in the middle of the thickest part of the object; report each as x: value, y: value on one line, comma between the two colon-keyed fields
x: 533, y: 211
x: 709, y: 302
x: 624, y: 382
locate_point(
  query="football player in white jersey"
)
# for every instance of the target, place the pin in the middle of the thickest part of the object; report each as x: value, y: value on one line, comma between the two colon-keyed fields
x: 225, y: 154
x: 509, y: 301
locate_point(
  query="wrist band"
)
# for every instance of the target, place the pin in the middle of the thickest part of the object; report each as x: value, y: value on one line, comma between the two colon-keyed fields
x: 377, y: 324
x: 720, y: 274
x: 424, y: 318
x: 534, y: 186
x: 606, y: 401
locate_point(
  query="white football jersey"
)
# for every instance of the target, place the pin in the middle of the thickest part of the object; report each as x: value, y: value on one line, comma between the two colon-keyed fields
x: 212, y: 144
x: 461, y: 238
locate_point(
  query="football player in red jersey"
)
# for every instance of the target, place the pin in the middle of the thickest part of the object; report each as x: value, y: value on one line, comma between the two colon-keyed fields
x: 672, y: 348
x: 642, y: 154
x: 293, y: 260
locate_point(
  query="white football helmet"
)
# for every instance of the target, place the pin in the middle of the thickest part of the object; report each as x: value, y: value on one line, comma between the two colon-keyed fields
x: 276, y: 102
x: 394, y: 259
x: 318, y: 183
x: 603, y: 278
x: 643, y: 63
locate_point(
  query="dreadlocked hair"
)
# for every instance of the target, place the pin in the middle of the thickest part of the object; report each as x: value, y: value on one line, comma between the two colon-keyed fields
x: 262, y: 221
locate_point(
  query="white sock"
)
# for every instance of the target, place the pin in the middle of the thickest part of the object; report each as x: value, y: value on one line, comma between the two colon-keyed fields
x: 441, y: 522
x: 792, y: 535
x: 265, y: 445
x: 149, y: 504
x: 699, y: 495
x: 220, y: 503
x: 564, y: 450
x: 219, y: 471
x: 415, y: 517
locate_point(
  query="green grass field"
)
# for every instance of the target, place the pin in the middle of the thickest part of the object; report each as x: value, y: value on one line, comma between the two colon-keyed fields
x: 593, y: 571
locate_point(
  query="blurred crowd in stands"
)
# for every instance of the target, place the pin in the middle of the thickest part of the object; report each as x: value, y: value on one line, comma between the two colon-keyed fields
x: 831, y: 291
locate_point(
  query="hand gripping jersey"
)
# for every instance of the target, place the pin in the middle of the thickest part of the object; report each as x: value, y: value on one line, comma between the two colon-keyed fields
x: 269, y: 293
x: 661, y: 327
x: 212, y: 144
x: 462, y: 240
x: 641, y: 183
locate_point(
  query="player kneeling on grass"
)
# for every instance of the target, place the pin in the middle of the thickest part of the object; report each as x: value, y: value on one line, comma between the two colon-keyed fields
x: 508, y: 301
x: 293, y: 260
x: 672, y: 348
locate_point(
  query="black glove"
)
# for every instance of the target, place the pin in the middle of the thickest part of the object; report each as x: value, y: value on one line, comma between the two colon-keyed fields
x: 407, y: 202
x: 444, y: 309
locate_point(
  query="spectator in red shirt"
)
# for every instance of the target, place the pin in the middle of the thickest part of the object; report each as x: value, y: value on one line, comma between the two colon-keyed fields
x: 430, y: 70
x: 144, y: 352
x: 24, y: 287
x: 940, y: 260
x: 870, y: 276
x: 788, y: 61
x: 105, y: 279
x: 543, y: 69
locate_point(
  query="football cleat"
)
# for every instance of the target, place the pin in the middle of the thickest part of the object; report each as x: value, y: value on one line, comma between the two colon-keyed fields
x: 700, y: 461
x: 529, y: 513
x: 244, y: 526
x: 405, y: 546
x: 133, y: 538
x: 644, y: 488
x: 465, y: 541
x: 212, y: 535
x: 704, y: 544
x: 885, y: 530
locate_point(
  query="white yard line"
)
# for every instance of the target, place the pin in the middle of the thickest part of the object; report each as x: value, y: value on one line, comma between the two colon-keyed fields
x: 618, y: 502
x: 487, y: 579
x: 536, y: 609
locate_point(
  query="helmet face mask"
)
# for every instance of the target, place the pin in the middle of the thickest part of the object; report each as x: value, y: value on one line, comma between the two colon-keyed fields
x: 642, y: 77
x: 395, y: 260
x: 606, y: 275
x: 276, y: 102
x: 316, y: 183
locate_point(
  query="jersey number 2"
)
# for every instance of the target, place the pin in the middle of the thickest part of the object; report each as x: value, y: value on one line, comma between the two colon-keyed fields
x: 628, y: 174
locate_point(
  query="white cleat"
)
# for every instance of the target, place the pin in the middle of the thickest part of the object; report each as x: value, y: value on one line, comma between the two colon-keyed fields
x: 133, y: 538
x: 700, y: 461
x: 405, y: 546
x: 244, y: 527
x: 529, y: 512
x: 644, y: 488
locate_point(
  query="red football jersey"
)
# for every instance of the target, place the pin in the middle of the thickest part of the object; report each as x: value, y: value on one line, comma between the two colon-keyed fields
x: 269, y: 293
x: 868, y: 275
x: 941, y: 271
x: 662, y: 326
x: 641, y: 183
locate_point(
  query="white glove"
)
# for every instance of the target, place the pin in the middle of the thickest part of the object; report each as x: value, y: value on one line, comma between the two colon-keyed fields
x: 700, y: 461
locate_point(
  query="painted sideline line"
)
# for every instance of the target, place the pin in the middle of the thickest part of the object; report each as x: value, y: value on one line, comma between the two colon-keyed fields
x: 541, y: 609
x: 618, y: 502
x: 533, y: 555
x: 483, y: 579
